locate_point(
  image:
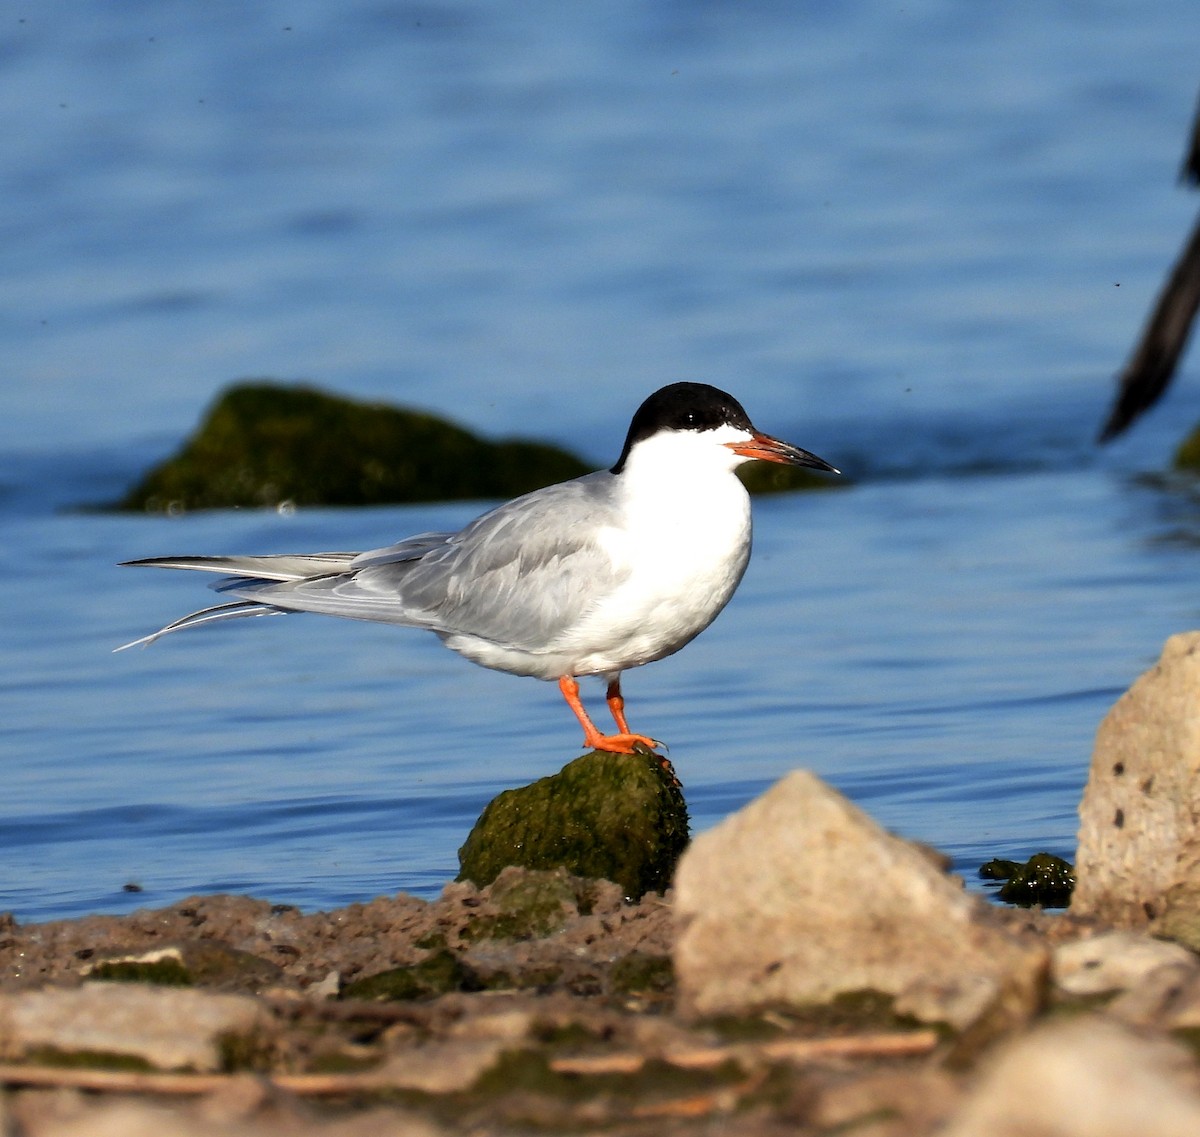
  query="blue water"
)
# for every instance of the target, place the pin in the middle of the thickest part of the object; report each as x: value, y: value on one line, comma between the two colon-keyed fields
x: 918, y: 241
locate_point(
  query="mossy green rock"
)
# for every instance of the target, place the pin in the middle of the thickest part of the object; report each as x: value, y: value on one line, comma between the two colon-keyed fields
x: 1044, y: 879
x: 1187, y: 457
x: 442, y: 971
x: 526, y: 904
x: 618, y: 817
x: 263, y: 443
x: 774, y: 477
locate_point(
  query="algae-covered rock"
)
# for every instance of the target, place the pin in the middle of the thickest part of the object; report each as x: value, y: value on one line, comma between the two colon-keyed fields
x: 618, y: 817
x: 775, y: 477
x: 1187, y: 456
x: 527, y: 904
x: 1044, y: 879
x: 263, y: 443
x: 440, y: 972
x: 202, y: 963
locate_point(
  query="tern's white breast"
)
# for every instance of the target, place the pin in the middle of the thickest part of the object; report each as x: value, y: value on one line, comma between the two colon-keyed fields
x: 684, y: 539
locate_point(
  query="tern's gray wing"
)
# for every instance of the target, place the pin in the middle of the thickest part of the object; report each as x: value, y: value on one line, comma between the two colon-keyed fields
x: 520, y: 575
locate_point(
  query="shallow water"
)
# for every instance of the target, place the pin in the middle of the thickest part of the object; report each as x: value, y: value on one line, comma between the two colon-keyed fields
x: 918, y: 243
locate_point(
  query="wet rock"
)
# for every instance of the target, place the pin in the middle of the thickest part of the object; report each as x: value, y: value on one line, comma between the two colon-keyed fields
x: 618, y: 817
x: 1083, y: 1078
x: 187, y: 963
x: 263, y: 444
x: 525, y: 904
x: 164, y: 1028
x: 1044, y: 880
x: 1138, y: 863
x: 800, y: 897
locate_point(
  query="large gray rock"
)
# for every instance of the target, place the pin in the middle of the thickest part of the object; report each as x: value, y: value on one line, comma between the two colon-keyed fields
x: 800, y: 897
x: 167, y: 1028
x: 1083, y: 1078
x: 1138, y: 863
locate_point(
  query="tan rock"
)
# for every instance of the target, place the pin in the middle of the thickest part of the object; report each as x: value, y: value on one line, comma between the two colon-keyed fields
x: 169, y: 1028
x: 442, y: 1067
x: 1082, y: 1078
x: 1114, y: 961
x: 800, y: 897
x: 1138, y: 863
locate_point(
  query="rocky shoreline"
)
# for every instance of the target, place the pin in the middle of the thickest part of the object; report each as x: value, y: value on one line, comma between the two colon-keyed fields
x: 807, y: 973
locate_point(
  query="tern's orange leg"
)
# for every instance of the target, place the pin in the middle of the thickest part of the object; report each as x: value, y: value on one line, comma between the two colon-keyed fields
x: 623, y: 743
x: 616, y: 705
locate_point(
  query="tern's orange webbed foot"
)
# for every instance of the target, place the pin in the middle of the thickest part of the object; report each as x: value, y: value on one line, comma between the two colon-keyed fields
x: 621, y: 743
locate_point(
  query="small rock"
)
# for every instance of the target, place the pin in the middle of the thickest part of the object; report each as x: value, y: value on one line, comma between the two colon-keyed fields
x: 618, y: 817
x: 167, y: 1028
x: 800, y: 898
x: 1082, y: 1078
x: 1113, y: 961
x: 329, y: 987
x: 185, y: 963
x: 1138, y: 864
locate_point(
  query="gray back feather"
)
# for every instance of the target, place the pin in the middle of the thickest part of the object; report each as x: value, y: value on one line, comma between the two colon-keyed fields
x: 519, y: 575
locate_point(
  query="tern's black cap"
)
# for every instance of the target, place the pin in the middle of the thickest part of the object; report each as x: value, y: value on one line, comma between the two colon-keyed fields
x: 683, y: 406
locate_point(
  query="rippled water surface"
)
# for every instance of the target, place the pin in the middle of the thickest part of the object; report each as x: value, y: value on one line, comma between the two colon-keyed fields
x: 918, y: 242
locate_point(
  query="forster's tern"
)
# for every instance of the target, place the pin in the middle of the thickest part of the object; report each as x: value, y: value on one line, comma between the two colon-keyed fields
x: 588, y: 577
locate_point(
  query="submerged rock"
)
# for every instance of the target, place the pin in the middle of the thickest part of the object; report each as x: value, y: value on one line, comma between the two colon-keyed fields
x: 263, y: 444
x: 1187, y: 455
x: 618, y: 817
x: 800, y: 898
x: 1044, y: 880
x: 1139, y: 837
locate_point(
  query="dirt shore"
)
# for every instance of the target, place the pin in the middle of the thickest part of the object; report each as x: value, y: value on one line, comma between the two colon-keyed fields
x: 541, y: 1002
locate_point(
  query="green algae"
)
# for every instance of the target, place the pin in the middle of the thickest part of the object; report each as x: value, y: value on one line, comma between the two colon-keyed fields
x: 1044, y: 880
x: 166, y: 972
x: 641, y: 973
x: 526, y: 906
x: 441, y: 972
x: 1187, y: 455
x: 87, y: 1060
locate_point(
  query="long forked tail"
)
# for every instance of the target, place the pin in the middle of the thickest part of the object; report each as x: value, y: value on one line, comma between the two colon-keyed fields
x: 231, y: 611
x: 276, y: 567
